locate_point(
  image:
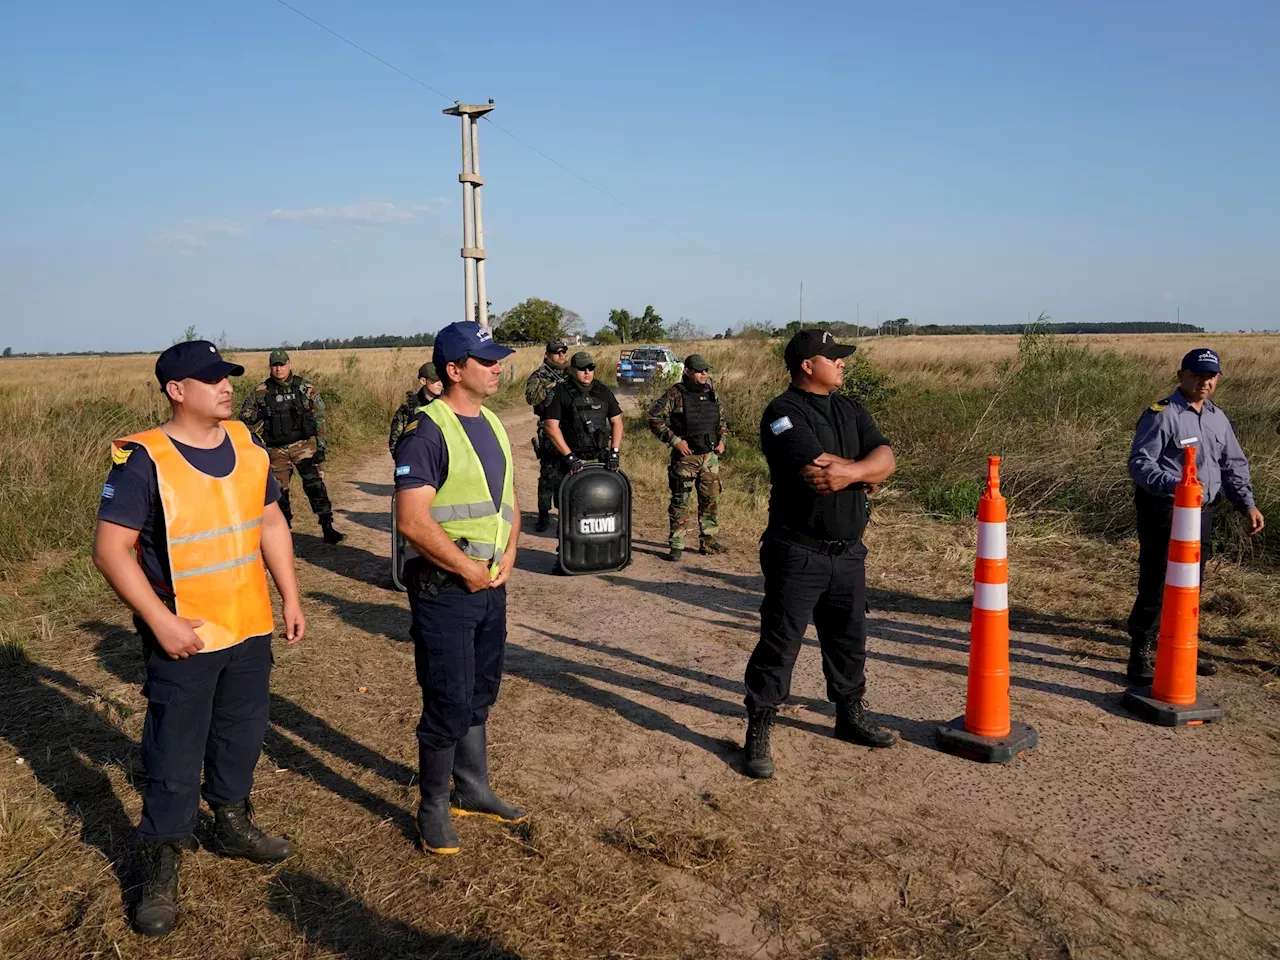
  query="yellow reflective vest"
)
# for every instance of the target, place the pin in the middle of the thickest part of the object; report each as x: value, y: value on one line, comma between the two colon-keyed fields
x: 463, y: 505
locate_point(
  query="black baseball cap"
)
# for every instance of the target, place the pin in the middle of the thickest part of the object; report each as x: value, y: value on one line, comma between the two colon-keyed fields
x: 195, y: 360
x: 808, y: 344
x: 557, y: 346
x: 1202, y: 360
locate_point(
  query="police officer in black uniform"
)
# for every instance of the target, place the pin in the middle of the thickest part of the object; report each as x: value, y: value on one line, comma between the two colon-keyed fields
x: 582, y: 418
x: 824, y: 453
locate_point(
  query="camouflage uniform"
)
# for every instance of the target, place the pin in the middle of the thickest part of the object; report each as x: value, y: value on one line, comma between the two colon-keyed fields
x: 288, y: 453
x: 536, y: 390
x: 414, y: 400
x: 698, y: 473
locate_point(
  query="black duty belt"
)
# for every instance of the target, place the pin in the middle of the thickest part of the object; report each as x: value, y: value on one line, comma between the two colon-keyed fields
x: 830, y: 548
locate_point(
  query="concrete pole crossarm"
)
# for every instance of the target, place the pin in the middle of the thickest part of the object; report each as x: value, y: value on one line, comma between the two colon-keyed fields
x: 482, y: 303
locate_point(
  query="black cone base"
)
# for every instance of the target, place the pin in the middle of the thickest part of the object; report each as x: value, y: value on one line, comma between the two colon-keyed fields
x: 1138, y: 700
x: 953, y: 738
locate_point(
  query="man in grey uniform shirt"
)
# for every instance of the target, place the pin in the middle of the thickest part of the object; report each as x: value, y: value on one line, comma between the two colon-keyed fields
x: 1186, y: 418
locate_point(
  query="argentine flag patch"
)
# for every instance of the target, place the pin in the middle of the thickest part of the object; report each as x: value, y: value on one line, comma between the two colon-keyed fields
x: 402, y: 470
x: 108, y: 491
x: 781, y: 425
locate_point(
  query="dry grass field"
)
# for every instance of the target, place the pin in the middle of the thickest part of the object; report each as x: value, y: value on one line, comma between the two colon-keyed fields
x: 621, y: 713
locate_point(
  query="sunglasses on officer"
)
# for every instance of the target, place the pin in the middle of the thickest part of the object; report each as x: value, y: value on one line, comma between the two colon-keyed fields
x: 560, y: 353
x: 589, y: 366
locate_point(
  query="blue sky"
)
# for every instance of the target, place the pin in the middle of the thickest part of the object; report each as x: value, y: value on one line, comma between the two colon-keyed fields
x: 232, y: 166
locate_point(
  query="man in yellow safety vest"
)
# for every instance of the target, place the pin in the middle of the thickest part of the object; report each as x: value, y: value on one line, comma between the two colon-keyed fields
x: 455, y: 504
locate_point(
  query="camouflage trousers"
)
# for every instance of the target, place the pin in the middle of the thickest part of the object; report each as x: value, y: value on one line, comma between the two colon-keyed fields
x: 695, y: 497
x: 298, y: 455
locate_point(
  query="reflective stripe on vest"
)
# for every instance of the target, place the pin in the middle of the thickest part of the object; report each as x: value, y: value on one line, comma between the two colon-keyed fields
x: 213, y: 526
x: 463, y: 505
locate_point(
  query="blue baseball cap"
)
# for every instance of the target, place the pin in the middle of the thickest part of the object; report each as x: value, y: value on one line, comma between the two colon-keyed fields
x: 1201, y: 360
x: 466, y: 338
x: 197, y: 360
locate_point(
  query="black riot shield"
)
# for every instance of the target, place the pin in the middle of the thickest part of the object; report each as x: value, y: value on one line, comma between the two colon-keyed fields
x: 595, y: 521
x: 401, y: 552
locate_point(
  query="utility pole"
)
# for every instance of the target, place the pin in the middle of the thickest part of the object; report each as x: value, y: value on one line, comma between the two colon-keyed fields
x: 473, y: 255
x: 802, y: 303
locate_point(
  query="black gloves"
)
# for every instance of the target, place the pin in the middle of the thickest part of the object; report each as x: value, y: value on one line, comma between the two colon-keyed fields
x: 318, y: 458
x: 572, y: 464
x: 611, y: 461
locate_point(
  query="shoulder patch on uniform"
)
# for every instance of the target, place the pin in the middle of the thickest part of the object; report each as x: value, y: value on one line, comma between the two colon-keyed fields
x: 413, y: 425
x: 120, y: 455
x: 402, y: 470
x: 108, y: 491
x: 1158, y: 406
x: 781, y: 425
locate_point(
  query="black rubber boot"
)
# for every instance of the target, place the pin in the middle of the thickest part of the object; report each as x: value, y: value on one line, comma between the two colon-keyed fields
x: 853, y: 726
x: 330, y: 534
x: 435, y: 831
x: 285, y: 508
x: 674, y: 555
x: 544, y: 521
x: 1205, y: 668
x: 1142, y: 661
x: 236, y: 835
x: 759, y: 755
x: 156, y: 911
x: 711, y: 545
x: 472, y: 796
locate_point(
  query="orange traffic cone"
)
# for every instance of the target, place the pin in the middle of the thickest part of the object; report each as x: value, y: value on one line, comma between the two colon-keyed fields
x: 985, y: 732
x: 1171, y: 699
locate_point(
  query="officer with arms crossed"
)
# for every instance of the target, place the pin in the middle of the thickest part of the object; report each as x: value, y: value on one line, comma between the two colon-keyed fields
x: 292, y: 417
x: 429, y: 387
x: 197, y: 498
x: 455, y: 503
x: 583, y: 420
x: 549, y: 375
x: 1187, y: 417
x: 688, y: 419
x: 824, y: 451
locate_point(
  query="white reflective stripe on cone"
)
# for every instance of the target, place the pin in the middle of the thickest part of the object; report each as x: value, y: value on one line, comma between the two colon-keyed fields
x: 992, y: 542
x: 1182, y: 574
x: 1186, y: 524
x: 991, y: 596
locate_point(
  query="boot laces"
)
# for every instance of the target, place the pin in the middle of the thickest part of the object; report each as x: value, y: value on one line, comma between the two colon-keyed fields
x: 762, y: 724
x: 240, y: 819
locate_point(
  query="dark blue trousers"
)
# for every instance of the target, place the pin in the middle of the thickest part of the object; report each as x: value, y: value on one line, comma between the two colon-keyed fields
x: 459, y: 647
x: 208, y: 712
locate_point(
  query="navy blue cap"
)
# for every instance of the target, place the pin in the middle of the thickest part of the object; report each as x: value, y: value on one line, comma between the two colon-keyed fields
x: 1201, y: 360
x: 197, y: 360
x: 466, y: 338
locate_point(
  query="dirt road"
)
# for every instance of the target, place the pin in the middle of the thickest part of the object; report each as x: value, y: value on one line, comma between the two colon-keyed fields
x: 620, y: 725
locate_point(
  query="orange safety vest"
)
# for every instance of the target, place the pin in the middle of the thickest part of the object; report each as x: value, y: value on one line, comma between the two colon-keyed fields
x: 214, y: 531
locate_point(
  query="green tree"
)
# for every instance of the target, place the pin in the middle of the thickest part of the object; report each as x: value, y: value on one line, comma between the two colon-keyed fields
x: 191, y: 333
x: 649, y: 326
x: 8, y: 352
x: 531, y: 321
x: 685, y: 329
x: 622, y: 325
x: 605, y: 335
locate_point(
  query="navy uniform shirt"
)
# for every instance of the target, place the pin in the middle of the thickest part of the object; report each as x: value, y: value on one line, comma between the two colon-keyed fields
x: 422, y: 458
x: 797, y: 427
x: 1155, y: 459
x: 131, y: 498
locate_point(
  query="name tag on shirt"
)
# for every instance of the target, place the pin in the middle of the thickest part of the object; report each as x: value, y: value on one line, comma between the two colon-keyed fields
x: 1187, y: 441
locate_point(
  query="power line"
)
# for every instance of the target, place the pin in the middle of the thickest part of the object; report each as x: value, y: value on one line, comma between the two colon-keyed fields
x: 522, y: 142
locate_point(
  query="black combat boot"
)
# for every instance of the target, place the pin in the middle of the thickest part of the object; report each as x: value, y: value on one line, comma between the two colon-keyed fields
x: 711, y: 545
x: 434, y: 829
x: 285, y: 508
x: 155, y: 912
x: 853, y: 726
x: 759, y: 756
x: 544, y: 521
x: 330, y: 534
x: 472, y: 795
x: 1142, y: 661
x: 1205, y: 668
x: 236, y: 835
x: 674, y: 554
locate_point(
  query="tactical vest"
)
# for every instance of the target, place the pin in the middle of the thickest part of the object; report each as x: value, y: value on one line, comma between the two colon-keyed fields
x: 585, y: 422
x: 289, y: 417
x: 698, y: 423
